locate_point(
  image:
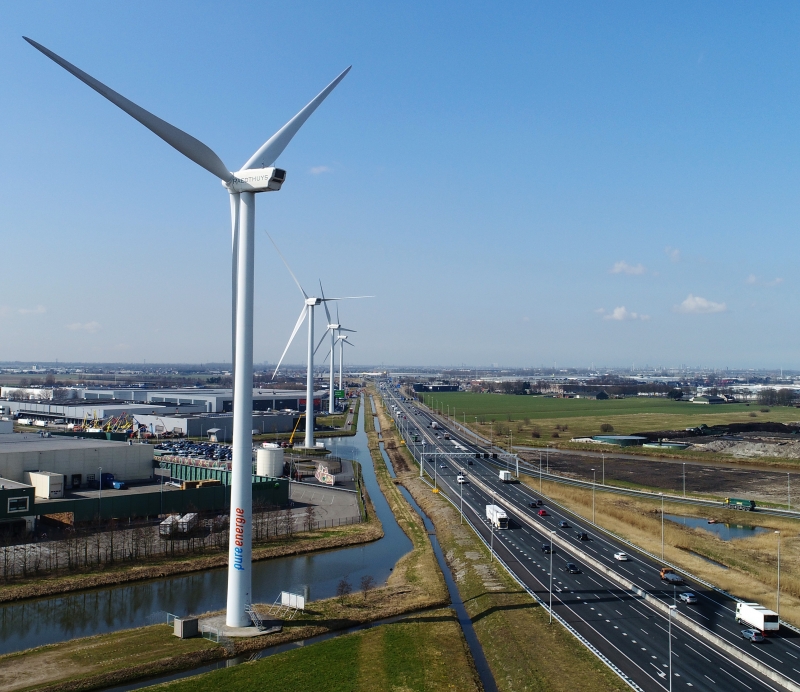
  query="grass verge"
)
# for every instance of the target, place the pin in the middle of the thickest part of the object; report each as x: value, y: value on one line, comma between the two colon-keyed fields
x: 422, y: 652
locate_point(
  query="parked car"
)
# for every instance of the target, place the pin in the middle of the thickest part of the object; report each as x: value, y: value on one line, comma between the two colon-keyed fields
x: 542, y: 512
x: 688, y: 597
x: 582, y: 536
x: 622, y: 557
x: 753, y: 635
x: 563, y: 525
x: 572, y: 568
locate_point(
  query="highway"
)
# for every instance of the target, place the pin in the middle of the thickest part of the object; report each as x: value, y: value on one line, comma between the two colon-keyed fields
x: 630, y: 632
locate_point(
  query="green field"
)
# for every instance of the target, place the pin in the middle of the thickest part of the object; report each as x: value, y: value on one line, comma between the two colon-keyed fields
x: 525, y: 415
x: 423, y: 652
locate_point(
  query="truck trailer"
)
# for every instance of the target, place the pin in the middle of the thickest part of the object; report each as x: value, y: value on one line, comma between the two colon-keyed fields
x: 505, y: 477
x: 757, y: 616
x: 497, y: 516
x: 738, y: 503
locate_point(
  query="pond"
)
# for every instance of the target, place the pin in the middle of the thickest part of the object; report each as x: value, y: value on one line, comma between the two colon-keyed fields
x: 727, y: 532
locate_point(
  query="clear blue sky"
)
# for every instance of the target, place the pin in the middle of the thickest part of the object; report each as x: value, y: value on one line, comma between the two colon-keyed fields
x: 518, y: 184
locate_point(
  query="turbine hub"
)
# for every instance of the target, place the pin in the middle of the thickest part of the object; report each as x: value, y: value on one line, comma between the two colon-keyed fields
x: 256, y: 180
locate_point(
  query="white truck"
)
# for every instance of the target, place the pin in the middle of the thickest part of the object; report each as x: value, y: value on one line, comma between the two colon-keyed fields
x: 757, y: 616
x: 434, y: 425
x: 505, y: 476
x: 497, y: 516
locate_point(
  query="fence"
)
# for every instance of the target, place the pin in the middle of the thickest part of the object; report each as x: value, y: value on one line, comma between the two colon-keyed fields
x: 85, y: 549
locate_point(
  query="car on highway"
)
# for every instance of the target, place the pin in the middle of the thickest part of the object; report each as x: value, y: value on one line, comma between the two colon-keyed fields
x: 752, y: 636
x: 688, y: 597
x: 582, y: 536
x: 563, y: 525
x: 469, y: 463
x: 547, y: 549
x: 572, y: 568
x: 460, y: 479
x: 622, y: 557
x: 442, y: 466
x: 542, y: 512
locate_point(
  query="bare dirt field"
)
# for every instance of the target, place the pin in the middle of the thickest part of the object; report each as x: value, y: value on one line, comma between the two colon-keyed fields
x: 662, y: 474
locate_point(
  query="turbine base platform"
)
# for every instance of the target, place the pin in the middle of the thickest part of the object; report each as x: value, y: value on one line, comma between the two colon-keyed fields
x: 216, y: 624
x: 311, y: 451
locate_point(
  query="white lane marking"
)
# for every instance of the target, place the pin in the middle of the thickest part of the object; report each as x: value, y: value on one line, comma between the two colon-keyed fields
x: 697, y: 652
x: 735, y: 678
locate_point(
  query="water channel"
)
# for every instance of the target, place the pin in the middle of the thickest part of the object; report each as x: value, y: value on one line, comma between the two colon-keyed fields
x: 61, y: 618
x: 727, y: 532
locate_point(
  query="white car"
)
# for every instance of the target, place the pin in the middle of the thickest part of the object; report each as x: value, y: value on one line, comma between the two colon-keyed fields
x: 461, y: 479
x: 622, y: 557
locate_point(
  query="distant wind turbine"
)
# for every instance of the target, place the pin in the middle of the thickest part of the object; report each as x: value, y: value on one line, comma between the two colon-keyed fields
x: 334, y: 329
x: 257, y: 175
x: 308, y: 311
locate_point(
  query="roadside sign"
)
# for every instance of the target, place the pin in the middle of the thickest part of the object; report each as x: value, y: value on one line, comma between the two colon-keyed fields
x: 338, y: 393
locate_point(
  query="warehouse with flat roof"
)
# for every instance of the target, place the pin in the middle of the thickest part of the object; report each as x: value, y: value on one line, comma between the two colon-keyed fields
x: 78, y: 460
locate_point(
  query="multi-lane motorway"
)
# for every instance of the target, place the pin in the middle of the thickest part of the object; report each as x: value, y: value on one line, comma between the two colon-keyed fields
x: 623, y: 626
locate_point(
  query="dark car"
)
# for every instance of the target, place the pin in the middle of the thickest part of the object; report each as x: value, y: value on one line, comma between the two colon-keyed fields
x: 563, y: 525
x: 572, y: 568
x: 582, y: 536
x: 546, y: 548
x: 469, y: 463
x: 752, y: 635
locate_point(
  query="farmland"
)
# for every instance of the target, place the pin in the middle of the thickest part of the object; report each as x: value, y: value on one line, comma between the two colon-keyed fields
x: 525, y: 416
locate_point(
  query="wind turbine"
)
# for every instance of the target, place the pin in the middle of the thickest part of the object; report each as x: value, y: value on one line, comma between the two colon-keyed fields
x: 342, y: 341
x: 310, y: 302
x: 257, y: 175
x: 334, y: 329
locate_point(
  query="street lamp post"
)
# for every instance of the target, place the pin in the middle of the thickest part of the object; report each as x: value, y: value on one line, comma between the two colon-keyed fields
x: 684, y: 479
x: 788, y: 492
x: 778, y: 594
x: 662, y: 525
x: 491, y: 542
x: 540, y: 472
x: 551, y: 577
x: 594, y: 483
x: 461, y: 493
x: 421, y: 458
x: 476, y: 431
x: 100, y: 495
x: 671, y: 609
x: 604, y: 469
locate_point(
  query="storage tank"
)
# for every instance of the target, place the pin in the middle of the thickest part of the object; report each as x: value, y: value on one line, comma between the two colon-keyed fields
x: 269, y: 461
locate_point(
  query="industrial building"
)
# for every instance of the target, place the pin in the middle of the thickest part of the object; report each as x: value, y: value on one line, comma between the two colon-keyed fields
x: 209, y: 400
x: 78, y: 461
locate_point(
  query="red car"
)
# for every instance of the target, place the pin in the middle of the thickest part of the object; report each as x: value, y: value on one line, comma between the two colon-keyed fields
x: 542, y: 512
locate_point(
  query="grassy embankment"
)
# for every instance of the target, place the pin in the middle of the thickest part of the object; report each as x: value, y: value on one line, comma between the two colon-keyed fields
x: 523, y: 416
x: 422, y: 652
x: 523, y: 651
x: 751, y: 562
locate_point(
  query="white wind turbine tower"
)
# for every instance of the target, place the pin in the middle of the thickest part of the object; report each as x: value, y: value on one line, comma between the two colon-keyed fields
x: 257, y: 175
x: 308, y: 311
x: 342, y: 341
x: 334, y: 329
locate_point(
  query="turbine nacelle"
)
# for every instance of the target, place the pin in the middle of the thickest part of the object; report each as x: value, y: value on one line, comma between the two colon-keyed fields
x: 256, y: 180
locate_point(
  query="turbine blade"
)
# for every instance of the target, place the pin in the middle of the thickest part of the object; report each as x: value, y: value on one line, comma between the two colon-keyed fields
x: 338, y: 321
x: 291, y: 338
x: 190, y: 147
x: 274, y: 146
x: 305, y: 295
x: 324, y: 334
x: 349, y: 343
x: 326, y: 357
x: 342, y: 329
x: 322, y: 291
x: 348, y: 298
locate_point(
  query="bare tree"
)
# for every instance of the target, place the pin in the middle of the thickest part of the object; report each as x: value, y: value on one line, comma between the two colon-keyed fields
x: 343, y: 589
x: 367, y: 584
x: 309, y: 517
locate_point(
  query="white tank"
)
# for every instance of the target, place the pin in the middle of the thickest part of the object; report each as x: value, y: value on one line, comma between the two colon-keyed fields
x: 269, y: 461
